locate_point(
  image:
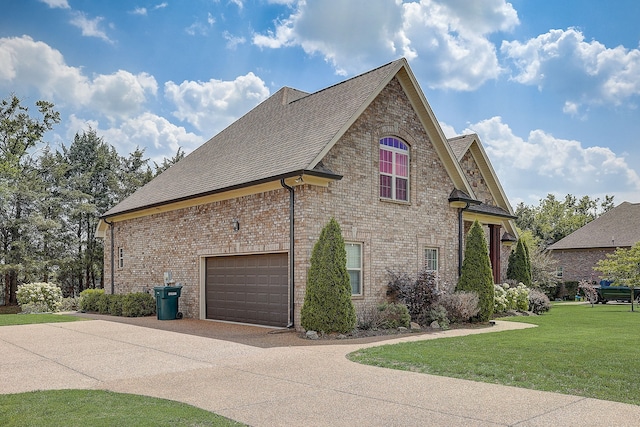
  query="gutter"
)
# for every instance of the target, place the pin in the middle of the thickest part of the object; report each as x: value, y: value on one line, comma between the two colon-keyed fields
x: 291, y: 251
x: 113, y: 270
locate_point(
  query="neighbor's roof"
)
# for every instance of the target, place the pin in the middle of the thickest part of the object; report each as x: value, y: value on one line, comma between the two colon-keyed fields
x: 620, y: 227
x: 288, y: 133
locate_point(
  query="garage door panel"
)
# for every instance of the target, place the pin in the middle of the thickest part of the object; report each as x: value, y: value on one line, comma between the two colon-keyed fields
x: 248, y: 288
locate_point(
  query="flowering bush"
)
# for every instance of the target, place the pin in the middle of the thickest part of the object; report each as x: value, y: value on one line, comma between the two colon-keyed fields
x: 510, y: 298
x: 44, y: 296
x: 500, y: 302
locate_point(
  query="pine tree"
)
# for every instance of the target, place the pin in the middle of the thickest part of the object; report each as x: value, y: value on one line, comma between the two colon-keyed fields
x: 327, y: 303
x: 476, y: 273
x: 519, y: 268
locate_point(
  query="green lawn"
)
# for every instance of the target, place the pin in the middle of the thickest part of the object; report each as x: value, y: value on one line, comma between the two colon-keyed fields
x: 101, y: 408
x: 576, y: 349
x: 27, y: 319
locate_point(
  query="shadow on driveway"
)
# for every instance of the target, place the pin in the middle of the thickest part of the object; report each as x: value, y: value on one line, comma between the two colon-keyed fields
x: 256, y: 336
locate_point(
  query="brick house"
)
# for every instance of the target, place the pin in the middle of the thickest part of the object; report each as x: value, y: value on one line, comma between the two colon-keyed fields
x: 236, y: 220
x: 577, y: 253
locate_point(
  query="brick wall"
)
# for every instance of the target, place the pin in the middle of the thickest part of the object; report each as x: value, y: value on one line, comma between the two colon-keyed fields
x: 394, y: 235
x: 577, y: 264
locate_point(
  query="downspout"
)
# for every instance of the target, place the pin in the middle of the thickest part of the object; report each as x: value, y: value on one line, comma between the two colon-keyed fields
x: 113, y: 270
x: 291, y: 251
x: 460, y: 238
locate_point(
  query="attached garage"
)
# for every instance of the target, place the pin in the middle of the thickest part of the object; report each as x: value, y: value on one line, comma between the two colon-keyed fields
x: 248, y: 288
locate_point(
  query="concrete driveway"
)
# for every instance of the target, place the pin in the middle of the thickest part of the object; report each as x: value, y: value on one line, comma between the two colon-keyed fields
x: 302, y: 385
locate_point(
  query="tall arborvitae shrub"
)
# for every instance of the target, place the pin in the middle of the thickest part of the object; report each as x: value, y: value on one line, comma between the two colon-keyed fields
x: 476, y: 273
x: 327, y: 303
x: 519, y: 268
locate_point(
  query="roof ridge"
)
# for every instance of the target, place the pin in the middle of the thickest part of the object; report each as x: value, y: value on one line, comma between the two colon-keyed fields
x: 349, y: 79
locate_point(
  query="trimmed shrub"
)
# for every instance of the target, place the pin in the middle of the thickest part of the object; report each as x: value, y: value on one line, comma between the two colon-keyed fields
x: 476, y: 272
x: 418, y: 295
x: 538, y: 302
x: 500, y: 302
x: 138, y: 304
x: 69, y: 304
x: 34, y: 308
x: 436, y: 313
x: 519, y: 268
x: 508, y: 297
x: 394, y: 315
x: 102, y: 304
x: 460, y: 306
x: 327, y: 302
x: 383, y: 316
x: 115, y: 304
x: 88, y: 300
x: 45, y: 296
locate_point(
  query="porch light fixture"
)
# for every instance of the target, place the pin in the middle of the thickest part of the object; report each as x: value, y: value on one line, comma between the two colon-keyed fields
x: 299, y: 180
x: 236, y: 225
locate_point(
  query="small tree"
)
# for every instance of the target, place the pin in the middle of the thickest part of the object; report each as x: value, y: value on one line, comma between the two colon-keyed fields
x: 623, y: 267
x: 327, y: 303
x: 519, y: 268
x: 476, y: 272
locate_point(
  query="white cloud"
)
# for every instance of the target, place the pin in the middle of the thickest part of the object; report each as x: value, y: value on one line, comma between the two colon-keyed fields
x: 26, y: 64
x: 90, y: 27
x: 199, y: 28
x: 446, y: 40
x: 232, y: 41
x: 57, y: 4
x: 139, y: 11
x: 525, y: 166
x: 160, y: 5
x: 161, y: 137
x: 584, y: 73
x: 121, y: 93
x: 213, y: 105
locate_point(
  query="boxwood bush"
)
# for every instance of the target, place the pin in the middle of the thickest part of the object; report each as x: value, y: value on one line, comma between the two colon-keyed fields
x: 89, y: 299
x: 135, y: 304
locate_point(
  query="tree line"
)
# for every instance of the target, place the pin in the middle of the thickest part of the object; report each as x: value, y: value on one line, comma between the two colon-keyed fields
x: 51, y: 200
x: 541, y: 226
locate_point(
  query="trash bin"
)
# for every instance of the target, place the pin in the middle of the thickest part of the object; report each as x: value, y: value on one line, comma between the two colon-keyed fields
x: 167, y: 302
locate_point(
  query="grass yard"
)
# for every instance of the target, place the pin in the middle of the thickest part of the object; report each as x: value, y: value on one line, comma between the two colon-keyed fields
x: 27, y: 319
x: 576, y: 349
x: 101, y: 408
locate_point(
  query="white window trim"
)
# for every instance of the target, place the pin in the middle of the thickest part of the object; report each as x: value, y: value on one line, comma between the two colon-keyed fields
x: 437, y: 259
x: 120, y: 257
x: 393, y: 174
x: 361, y: 284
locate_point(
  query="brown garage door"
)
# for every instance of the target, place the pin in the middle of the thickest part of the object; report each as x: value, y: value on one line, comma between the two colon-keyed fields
x: 248, y: 289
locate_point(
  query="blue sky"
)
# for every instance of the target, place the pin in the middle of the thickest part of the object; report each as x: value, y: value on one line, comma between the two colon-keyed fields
x: 551, y: 87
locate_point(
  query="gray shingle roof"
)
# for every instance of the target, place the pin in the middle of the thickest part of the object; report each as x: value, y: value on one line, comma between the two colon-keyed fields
x: 284, y: 134
x: 460, y: 144
x: 620, y: 227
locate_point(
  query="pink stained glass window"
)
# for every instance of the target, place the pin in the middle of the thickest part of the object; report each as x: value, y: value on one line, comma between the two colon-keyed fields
x: 394, y: 169
x: 386, y: 161
x: 402, y: 165
x: 385, y: 186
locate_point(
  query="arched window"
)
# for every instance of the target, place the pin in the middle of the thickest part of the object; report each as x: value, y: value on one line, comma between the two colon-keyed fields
x: 394, y: 169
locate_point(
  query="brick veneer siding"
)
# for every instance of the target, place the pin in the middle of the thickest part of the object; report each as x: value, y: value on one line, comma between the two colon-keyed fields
x: 577, y: 264
x: 393, y: 234
x: 475, y: 178
x: 176, y: 241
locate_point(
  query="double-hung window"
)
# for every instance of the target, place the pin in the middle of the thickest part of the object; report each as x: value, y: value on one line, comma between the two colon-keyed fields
x: 354, y: 266
x: 431, y: 259
x: 394, y: 169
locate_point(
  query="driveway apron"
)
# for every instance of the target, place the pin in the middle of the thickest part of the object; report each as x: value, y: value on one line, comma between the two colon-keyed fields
x: 278, y: 386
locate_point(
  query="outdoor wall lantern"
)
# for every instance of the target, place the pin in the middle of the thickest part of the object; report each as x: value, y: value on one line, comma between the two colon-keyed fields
x: 236, y: 225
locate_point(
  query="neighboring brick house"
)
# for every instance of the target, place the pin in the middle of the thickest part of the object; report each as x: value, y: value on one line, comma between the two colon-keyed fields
x: 236, y: 220
x: 580, y: 251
